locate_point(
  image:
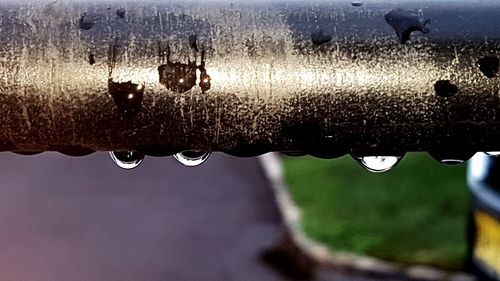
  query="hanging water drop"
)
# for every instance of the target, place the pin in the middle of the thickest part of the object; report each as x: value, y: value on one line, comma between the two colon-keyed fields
x: 192, y: 158
x: 128, y: 159
x: 378, y: 164
x: 451, y: 158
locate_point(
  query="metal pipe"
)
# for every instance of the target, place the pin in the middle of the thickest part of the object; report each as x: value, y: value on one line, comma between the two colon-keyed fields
x: 322, y: 77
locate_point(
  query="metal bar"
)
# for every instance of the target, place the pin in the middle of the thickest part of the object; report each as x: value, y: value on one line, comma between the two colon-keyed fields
x: 323, y: 77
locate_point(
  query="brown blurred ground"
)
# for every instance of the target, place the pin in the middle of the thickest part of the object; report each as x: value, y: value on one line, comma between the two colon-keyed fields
x: 78, y: 219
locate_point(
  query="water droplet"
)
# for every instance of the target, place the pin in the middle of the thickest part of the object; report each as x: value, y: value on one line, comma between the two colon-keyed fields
x: 121, y: 13
x: 405, y: 22
x: 85, y: 24
x: 356, y: 3
x: 444, y: 88
x: 489, y: 66
x: 91, y: 59
x: 192, y: 158
x: 193, y: 38
x: 378, y: 164
x: 205, y: 80
x: 127, y: 160
x: 127, y: 96
x: 493, y: 153
x: 179, y: 77
x: 319, y: 38
x: 451, y: 158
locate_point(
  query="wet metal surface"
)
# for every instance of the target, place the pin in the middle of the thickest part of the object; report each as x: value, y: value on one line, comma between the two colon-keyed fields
x: 325, y: 78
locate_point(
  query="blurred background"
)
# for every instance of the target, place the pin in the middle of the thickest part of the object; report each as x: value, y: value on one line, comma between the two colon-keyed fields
x: 83, y: 218
x: 414, y: 214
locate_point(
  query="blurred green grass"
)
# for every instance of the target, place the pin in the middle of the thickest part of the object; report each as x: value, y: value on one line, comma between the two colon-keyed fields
x: 414, y: 214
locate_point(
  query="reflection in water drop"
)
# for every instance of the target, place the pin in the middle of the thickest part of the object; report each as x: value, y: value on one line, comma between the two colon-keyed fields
x: 450, y: 158
x: 192, y: 158
x: 127, y: 160
x: 451, y: 162
x: 127, y: 96
x: 378, y: 164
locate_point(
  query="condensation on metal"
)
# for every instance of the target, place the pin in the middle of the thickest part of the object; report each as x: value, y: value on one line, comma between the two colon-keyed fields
x: 324, y: 77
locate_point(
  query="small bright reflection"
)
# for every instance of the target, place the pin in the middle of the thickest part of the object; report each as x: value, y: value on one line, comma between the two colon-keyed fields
x: 130, y: 96
x: 127, y: 160
x: 451, y: 162
x: 379, y: 164
x: 192, y: 158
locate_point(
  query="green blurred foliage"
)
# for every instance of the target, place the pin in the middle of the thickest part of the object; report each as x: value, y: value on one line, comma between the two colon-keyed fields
x: 414, y: 214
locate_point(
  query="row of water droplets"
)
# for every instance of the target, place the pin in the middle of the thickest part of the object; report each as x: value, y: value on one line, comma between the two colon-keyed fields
x: 380, y: 164
x: 377, y: 164
x: 130, y: 159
